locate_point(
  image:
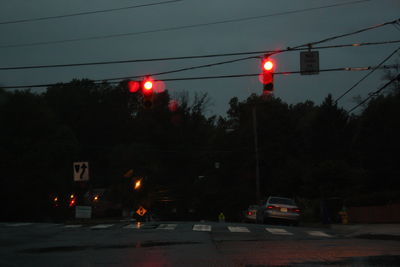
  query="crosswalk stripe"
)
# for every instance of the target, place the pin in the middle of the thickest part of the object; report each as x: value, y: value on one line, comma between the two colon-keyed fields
x: 73, y: 226
x: 133, y: 226
x: 101, y: 226
x: 167, y: 226
x: 318, y: 233
x: 238, y: 229
x: 202, y: 227
x: 278, y: 231
x: 18, y: 224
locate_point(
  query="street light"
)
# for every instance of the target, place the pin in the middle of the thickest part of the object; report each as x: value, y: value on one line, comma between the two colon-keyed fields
x: 138, y: 184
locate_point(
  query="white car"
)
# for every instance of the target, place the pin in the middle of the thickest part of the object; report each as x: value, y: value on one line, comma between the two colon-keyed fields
x: 278, y: 209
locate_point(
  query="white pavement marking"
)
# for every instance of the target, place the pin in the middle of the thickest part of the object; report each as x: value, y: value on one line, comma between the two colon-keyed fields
x: 278, y: 231
x: 167, y: 226
x: 18, y: 224
x: 318, y: 233
x: 133, y: 226
x: 101, y: 226
x: 238, y: 229
x: 73, y: 226
x: 202, y: 227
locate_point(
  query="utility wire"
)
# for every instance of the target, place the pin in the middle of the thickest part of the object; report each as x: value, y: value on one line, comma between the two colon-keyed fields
x: 199, y: 77
x: 192, y: 57
x: 376, y: 92
x: 369, y: 73
x: 394, y: 22
x: 85, y: 13
x: 180, y: 27
x: 185, y: 69
x: 196, y: 67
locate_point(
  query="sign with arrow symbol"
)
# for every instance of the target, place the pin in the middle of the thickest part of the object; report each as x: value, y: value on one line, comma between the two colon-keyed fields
x: 81, y: 171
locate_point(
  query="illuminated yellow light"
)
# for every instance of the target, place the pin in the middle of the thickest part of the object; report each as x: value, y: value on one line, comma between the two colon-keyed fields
x: 72, y: 196
x: 138, y: 183
x: 96, y: 198
x: 56, y: 199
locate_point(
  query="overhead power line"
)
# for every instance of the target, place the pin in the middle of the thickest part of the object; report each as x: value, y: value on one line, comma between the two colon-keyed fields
x: 393, y: 22
x: 180, y: 27
x: 85, y: 13
x: 369, y: 73
x: 372, y: 94
x: 192, y: 57
x: 113, y: 80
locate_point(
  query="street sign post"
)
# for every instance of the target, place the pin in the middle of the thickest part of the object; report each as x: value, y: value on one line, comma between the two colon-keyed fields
x: 81, y: 171
x: 309, y: 62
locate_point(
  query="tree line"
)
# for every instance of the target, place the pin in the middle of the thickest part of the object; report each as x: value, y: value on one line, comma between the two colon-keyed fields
x: 194, y: 164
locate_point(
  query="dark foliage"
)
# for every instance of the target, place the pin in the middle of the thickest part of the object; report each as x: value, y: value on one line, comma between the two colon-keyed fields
x: 192, y: 165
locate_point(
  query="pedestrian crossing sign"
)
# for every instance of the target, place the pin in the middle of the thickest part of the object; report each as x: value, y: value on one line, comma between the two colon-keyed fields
x: 141, y: 211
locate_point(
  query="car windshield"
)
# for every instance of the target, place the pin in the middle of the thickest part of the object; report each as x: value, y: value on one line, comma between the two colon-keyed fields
x: 278, y: 200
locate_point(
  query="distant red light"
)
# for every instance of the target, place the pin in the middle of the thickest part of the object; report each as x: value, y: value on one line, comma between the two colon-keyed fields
x: 133, y: 86
x: 72, y: 202
x: 173, y: 105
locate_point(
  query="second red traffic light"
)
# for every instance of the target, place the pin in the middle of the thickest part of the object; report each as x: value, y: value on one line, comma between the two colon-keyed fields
x: 267, y: 75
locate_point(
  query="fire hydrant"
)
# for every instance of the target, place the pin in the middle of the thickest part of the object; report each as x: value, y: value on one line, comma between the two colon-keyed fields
x: 344, y: 216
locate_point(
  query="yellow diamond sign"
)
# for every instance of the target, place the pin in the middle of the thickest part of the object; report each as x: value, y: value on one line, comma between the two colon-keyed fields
x: 141, y: 211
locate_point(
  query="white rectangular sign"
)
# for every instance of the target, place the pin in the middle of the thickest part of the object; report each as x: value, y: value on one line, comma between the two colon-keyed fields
x: 81, y: 171
x: 309, y: 62
x: 83, y: 212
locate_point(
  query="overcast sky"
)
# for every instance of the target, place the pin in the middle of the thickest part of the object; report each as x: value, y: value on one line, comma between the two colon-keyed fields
x: 267, y: 33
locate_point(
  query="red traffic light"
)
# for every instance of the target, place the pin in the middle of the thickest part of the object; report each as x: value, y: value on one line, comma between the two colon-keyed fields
x: 147, y: 85
x: 147, y: 91
x: 133, y: 86
x: 267, y: 75
x: 268, y: 65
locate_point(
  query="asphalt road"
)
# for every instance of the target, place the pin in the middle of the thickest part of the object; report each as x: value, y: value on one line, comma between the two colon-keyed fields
x: 187, y: 244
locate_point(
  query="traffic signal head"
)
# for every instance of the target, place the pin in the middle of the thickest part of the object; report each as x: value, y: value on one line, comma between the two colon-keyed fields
x: 267, y: 75
x: 147, y: 86
x: 147, y: 91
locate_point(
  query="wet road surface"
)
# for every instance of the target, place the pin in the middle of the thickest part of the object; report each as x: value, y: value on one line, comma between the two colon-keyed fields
x: 187, y: 244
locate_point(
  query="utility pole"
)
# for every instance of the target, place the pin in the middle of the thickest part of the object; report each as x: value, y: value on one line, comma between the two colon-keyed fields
x: 256, y: 154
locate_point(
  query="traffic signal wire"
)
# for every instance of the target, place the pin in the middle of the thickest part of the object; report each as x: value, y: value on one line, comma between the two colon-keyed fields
x: 372, y: 94
x: 86, y: 13
x: 185, y: 26
x: 197, y: 56
x: 114, y: 80
x: 365, y: 76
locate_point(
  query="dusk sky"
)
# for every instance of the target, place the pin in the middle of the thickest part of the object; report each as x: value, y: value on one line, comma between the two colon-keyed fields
x: 192, y: 27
